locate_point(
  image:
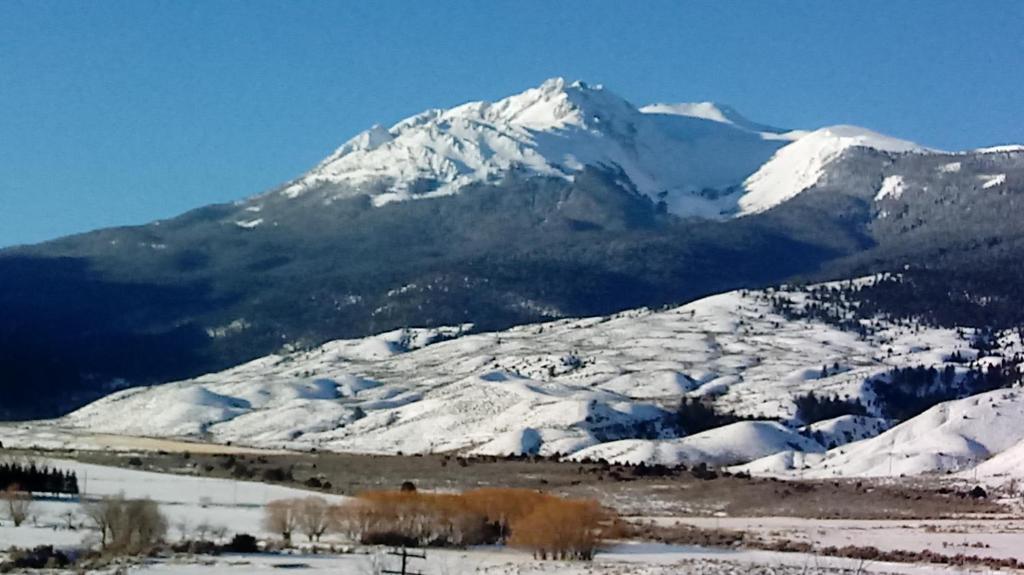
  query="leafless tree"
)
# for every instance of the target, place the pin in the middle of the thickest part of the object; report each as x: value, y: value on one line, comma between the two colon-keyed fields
x: 16, y: 504
x: 313, y: 517
x: 218, y: 532
x: 69, y: 518
x: 202, y: 530
x: 183, y: 528
x: 126, y: 525
x: 281, y: 516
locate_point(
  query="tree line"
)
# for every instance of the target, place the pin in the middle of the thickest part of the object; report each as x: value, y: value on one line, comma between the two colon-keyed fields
x: 31, y: 478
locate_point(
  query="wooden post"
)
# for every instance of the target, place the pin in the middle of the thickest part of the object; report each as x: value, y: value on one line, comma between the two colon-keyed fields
x: 405, y: 556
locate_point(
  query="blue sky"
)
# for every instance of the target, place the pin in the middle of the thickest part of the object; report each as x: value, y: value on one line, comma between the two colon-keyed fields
x: 120, y: 112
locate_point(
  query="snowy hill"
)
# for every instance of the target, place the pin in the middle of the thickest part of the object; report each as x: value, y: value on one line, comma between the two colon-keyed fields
x: 952, y: 436
x: 738, y: 442
x: 602, y: 387
x: 802, y: 164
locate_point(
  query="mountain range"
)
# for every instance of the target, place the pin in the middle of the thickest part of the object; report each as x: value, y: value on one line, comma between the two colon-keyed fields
x: 562, y: 201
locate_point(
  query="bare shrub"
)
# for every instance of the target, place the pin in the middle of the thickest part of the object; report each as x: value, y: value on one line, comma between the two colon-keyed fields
x: 281, y: 516
x: 314, y: 517
x: 16, y: 504
x: 127, y: 526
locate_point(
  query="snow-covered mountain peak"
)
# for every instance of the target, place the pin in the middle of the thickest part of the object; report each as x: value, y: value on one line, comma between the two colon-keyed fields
x: 713, y: 111
x: 801, y: 164
x: 554, y: 104
x: 553, y: 130
x: 700, y: 159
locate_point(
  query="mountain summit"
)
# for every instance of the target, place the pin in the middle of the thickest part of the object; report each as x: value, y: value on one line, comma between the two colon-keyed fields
x: 691, y: 157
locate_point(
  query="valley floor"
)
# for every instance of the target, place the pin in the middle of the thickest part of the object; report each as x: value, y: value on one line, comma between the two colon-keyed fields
x: 639, y: 559
x: 945, y: 524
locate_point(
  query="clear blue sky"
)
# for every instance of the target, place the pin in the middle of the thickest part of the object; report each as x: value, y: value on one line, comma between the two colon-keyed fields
x: 120, y: 112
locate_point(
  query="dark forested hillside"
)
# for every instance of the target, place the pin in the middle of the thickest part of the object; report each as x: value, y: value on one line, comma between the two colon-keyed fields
x: 180, y: 297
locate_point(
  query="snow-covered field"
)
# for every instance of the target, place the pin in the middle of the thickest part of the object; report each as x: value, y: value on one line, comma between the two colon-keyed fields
x: 996, y: 538
x: 625, y: 559
x: 237, y: 507
x: 187, y: 501
x: 602, y: 387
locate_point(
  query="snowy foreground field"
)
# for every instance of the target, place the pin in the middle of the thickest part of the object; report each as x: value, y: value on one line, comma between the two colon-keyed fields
x: 186, y: 501
x: 637, y: 559
x: 237, y: 507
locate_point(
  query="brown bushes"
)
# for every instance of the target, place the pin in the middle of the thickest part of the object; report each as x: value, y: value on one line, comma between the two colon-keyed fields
x: 560, y: 529
x: 549, y: 526
x: 421, y: 519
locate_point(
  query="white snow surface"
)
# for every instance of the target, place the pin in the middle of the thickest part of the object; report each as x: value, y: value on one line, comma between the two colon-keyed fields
x: 619, y: 559
x: 952, y: 436
x: 601, y: 387
x: 185, y: 500
x: 993, y: 180
x: 673, y: 152
x: 727, y: 445
x: 892, y: 187
x: 553, y: 130
x: 716, y: 113
x: 802, y: 163
x: 1007, y: 148
x: 846, y: 429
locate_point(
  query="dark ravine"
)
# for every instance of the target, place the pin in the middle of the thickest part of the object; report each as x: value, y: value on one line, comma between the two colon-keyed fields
x: 197, y: 293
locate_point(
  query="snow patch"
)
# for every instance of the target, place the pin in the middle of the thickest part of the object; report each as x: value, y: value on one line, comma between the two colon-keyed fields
x: 892, y: 187
x: 992, y: 180
x: 249, y: 224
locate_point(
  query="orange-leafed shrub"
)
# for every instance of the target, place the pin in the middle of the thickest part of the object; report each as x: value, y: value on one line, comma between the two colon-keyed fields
x: 549, y: 526
x: 561, y: 529
x: 406, y: 517
x: 503, y: 506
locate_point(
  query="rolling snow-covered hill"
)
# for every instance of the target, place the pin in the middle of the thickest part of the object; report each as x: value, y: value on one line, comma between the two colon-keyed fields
x: 602, y: 387
x: 981, y: 436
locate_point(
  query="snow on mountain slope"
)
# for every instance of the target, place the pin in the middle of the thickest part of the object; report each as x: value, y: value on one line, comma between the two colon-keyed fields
x: 553, y: 130
x: 951, y: 436
x: 845, y: 429
x: 1006, y: 466
x: 717, y: 113
x: 701, y: 159
x: 802, y: 163
x: 559, y: 387
x: 736, y: 443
